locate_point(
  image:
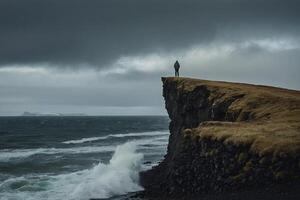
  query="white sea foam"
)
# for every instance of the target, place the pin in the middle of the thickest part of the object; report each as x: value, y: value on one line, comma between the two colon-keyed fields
x: 90, y: 139
x: 7, y: 154
x: 119, y: 176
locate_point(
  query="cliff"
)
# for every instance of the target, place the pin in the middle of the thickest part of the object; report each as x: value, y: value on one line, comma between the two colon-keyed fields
x: 226, y: 136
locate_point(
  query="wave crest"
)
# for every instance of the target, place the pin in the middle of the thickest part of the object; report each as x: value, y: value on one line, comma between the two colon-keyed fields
x: 91, y: 139
x: 119, y: 176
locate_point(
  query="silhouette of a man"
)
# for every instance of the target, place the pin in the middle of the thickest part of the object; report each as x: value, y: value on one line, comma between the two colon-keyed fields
x: 176, y: 67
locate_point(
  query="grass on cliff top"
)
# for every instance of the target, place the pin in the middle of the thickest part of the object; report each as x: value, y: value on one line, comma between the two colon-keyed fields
x: 263, y: 138
x: 274, y: 126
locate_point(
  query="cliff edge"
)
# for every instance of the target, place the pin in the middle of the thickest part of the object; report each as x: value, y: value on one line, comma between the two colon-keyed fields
x: 226, y: 136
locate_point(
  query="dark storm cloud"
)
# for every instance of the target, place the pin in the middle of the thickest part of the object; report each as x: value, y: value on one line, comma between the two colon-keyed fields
x: 96, y: 32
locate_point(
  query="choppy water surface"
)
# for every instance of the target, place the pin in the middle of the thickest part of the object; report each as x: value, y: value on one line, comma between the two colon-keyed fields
x: 77, y: 157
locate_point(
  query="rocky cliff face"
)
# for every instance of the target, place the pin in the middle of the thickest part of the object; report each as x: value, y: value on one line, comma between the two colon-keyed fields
x: 226, y: 136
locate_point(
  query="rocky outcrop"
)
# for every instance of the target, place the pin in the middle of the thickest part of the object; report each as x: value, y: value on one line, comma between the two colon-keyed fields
x: 226, y: 136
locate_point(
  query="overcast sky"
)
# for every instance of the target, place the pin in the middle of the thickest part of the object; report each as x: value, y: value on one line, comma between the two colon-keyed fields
x: 106, y: 57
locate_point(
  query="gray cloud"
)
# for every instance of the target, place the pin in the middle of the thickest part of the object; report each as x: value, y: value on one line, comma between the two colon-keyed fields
x: 76, y: 32
x: 107, y: 56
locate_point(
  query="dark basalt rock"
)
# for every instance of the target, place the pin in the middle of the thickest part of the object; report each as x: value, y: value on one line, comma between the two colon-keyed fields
x: 195, y: 165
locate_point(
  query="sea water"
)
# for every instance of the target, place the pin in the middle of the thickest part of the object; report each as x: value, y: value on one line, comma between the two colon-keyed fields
x: 77, y: 157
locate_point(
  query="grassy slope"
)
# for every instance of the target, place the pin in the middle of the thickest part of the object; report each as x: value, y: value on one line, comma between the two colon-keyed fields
x: 274, y: 126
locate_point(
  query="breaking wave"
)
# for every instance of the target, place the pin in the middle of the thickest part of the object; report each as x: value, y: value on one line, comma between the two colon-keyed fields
x: 8, y: 154
x: 118, y: 177
x: 90, y: 139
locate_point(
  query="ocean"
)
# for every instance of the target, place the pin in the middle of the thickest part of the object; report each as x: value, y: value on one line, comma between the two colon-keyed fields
x: 78, y: 158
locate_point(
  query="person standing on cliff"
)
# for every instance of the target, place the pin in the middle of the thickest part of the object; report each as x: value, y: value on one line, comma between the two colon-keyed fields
x: 176, y: 67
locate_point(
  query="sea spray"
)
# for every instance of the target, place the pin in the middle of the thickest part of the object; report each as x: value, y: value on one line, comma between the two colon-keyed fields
x: 119, y: 176
x: 53, y: 158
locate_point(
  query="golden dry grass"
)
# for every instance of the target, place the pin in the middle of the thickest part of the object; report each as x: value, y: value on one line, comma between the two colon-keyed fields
x: 274, y: 128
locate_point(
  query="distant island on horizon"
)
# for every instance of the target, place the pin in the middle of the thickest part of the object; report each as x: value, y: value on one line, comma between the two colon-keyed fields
x: 32, y: 114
